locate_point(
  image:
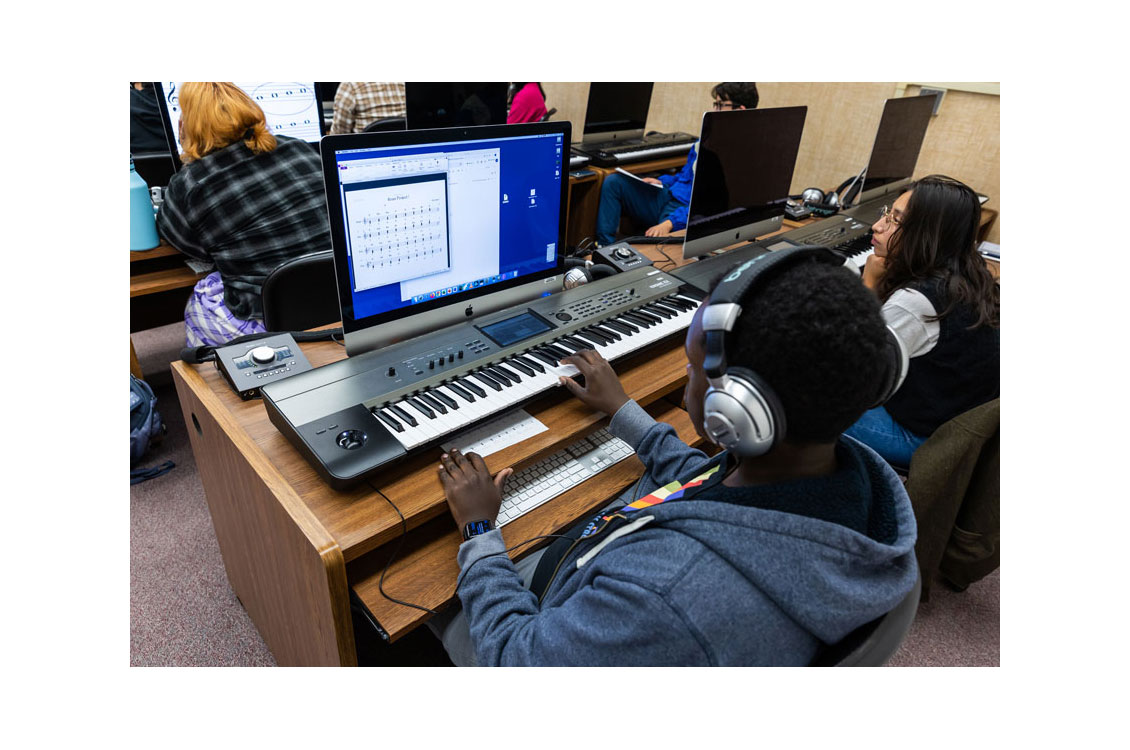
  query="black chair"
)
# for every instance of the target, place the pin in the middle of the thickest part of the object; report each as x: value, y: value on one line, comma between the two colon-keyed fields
x: 871, y: 645
x: 547, y: 115
x: 386, y: 123
x: 301, y: 294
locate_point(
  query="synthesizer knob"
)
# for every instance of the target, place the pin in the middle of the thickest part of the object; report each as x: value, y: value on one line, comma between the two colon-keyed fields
x: 392, y: 372
x: 450, y: 358
x: 564, y: 316
x: 460, y: 354
x: 431, y: 364
x: 262, y: 355
x: 622, y: 252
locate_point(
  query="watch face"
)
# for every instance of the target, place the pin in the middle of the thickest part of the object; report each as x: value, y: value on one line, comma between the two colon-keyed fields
x: 474, y: 528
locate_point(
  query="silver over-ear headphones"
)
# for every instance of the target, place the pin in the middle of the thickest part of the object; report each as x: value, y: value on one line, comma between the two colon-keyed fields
x: 741, y: 413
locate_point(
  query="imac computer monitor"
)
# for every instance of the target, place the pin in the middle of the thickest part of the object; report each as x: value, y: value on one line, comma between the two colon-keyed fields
x: 616, y: 111
x: 449, y: 105
x: 742, y: 176
x: 291, y: 109
x: 436, y: 227
x: 897, y: 144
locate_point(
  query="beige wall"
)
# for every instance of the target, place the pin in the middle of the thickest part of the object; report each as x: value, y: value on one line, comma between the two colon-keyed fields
x: 962, y: 141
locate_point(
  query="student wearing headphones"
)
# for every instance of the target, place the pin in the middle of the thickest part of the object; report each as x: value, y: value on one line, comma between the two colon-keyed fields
x: 788, y: 539
x: 943, y: 304
x: 246, y: 200
x: 662, y: 207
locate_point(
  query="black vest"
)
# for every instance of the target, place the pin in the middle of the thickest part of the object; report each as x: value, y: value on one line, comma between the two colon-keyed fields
x: 962, y: 371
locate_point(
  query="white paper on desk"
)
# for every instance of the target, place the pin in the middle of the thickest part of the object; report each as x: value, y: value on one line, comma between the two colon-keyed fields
x: 623, y: 171
x: 510, y: 428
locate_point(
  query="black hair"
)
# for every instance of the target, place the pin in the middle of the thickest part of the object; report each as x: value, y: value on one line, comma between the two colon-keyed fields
x: 816, y: 336
x: 741, y: 94
x: 938, y: 239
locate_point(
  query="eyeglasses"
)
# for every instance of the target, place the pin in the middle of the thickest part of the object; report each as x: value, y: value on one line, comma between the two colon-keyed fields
x: 720, y: 105
x: 885, y: 213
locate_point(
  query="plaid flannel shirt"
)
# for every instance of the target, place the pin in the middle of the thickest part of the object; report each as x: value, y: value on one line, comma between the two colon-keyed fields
x: 248, y: 214
x: 357, y: 104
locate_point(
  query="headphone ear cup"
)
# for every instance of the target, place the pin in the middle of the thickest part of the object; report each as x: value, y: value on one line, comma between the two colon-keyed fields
x: 742, y: 414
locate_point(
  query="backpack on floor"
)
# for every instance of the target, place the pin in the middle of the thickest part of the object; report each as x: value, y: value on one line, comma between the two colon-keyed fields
x: 145, y: 429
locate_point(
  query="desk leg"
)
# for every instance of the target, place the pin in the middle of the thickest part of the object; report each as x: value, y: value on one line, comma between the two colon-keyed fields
x: 285, y: 568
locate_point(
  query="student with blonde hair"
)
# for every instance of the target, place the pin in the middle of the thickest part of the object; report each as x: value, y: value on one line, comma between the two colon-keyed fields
x: 246, y: 200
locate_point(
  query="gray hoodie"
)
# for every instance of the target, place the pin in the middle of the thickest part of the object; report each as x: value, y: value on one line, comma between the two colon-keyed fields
x: 725, y: 576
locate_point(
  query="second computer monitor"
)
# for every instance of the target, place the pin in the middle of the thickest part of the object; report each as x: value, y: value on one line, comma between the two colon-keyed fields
x: 742, y: 176
x: 616, y: 111
x: 448, y: 105
x: 897, y: 144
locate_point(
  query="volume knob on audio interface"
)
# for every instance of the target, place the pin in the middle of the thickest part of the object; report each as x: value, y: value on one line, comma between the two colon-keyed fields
x: 262, y: 355
x: 622, y: 253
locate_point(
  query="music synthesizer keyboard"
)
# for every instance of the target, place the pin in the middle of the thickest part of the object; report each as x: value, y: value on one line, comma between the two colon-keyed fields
x: 352, y: 417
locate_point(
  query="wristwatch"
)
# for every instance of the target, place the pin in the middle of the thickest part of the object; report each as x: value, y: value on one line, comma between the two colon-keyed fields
x: 474, y: 528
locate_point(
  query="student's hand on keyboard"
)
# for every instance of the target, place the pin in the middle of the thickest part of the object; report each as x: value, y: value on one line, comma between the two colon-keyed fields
x: 873, y: 271
x: 472, y: 494
x: 662, y: 229
x: 602, y: 390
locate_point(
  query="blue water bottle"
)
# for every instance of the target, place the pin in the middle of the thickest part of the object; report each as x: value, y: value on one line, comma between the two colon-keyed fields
x: 142, y: 223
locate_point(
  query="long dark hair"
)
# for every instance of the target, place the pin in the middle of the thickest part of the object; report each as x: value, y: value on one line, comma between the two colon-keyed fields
x: 937, y: 239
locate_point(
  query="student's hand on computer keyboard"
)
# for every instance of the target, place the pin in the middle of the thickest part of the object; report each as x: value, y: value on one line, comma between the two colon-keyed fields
x: 472, y: 495
x: 662, y: 229
x: 602, y: 389
x: 873, y: 271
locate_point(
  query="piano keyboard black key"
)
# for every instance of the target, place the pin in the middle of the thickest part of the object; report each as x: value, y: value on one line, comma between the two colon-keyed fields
x: 521, y: 366
x: 637, y: 319
x: 660, y: 311
x: 445, y: 399
x: 595, y: 339
x: 422, y: 408
x: 388, y: 420
x: 557, y: 352
x: 486, y: 380
x: 544, y: 356
x: 514, y: 377
x: 622, y: 326
x: 498, y: 375
x: 678, y: 303
x: 433, y: 402
x: 606, y: 331
x: 533, y: 364
x: 403, y: 414
x: 462, y: 392
x: 466, y: 383
x: 576, y: 343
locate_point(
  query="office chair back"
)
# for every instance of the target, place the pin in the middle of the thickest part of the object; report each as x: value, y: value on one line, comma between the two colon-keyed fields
x: 301, y: 294
x: 871, y: 645
x: 386, y: 123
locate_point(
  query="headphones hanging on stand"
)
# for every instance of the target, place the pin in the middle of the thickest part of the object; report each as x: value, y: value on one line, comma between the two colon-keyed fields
x: 830, y: 203
x: 583, y: 271
x: 741, y: 412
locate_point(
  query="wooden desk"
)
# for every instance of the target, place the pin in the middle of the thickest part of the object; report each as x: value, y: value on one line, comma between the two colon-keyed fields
x: 159, y: 286
x: 294, y: 548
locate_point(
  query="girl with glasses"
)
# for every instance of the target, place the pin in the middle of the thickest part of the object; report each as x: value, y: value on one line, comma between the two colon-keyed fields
x: 944, y: 305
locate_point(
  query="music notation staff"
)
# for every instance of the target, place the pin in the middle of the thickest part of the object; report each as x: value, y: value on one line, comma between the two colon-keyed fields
x: 399, y: 243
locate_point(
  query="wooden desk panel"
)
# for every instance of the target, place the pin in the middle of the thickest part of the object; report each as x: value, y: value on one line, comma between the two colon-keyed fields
x: 425, y: 570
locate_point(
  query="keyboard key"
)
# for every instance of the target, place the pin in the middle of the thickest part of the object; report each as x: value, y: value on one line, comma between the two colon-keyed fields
x: 473, y: 388
x: 422, y: 408
x: 388, y: 420
x: 433, y: 402
x: 532, y: 364
x: 486, y: 380
x: 448, y: 400
x: 402, y: 414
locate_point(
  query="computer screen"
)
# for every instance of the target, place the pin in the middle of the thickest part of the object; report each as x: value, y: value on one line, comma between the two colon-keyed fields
x: 432, y: 227
x: 616, y: 110
x: 446, y: 105
x: 897, y: 144
x: 742, y: 176
x: 291, y: 109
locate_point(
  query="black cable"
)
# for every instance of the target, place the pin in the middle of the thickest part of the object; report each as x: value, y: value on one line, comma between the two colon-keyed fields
x: 399, y: 544
x: 462, y: 575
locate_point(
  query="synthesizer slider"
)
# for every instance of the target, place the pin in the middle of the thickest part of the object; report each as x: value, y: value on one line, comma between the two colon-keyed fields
x: 353, y: 417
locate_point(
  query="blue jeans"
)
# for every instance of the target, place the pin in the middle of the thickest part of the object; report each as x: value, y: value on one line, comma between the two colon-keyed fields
x: 878, y: 430
x: 644, y: 203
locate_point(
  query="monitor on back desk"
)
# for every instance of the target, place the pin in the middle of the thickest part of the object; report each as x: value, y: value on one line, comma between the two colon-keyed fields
x: 897, y: 144
x: 291, y: 109
x: 742, y: 176
x: 448, y: 105
x: 616, y: 111
x: 436, y: 227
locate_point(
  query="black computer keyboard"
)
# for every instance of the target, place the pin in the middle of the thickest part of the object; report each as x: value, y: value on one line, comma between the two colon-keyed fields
x: 650, y: 142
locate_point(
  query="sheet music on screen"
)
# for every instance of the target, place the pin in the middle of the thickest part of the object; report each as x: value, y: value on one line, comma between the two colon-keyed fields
x: 291, y: 108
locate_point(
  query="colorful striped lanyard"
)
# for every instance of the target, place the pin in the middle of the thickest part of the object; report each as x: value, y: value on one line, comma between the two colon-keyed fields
x: 671, y: 491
